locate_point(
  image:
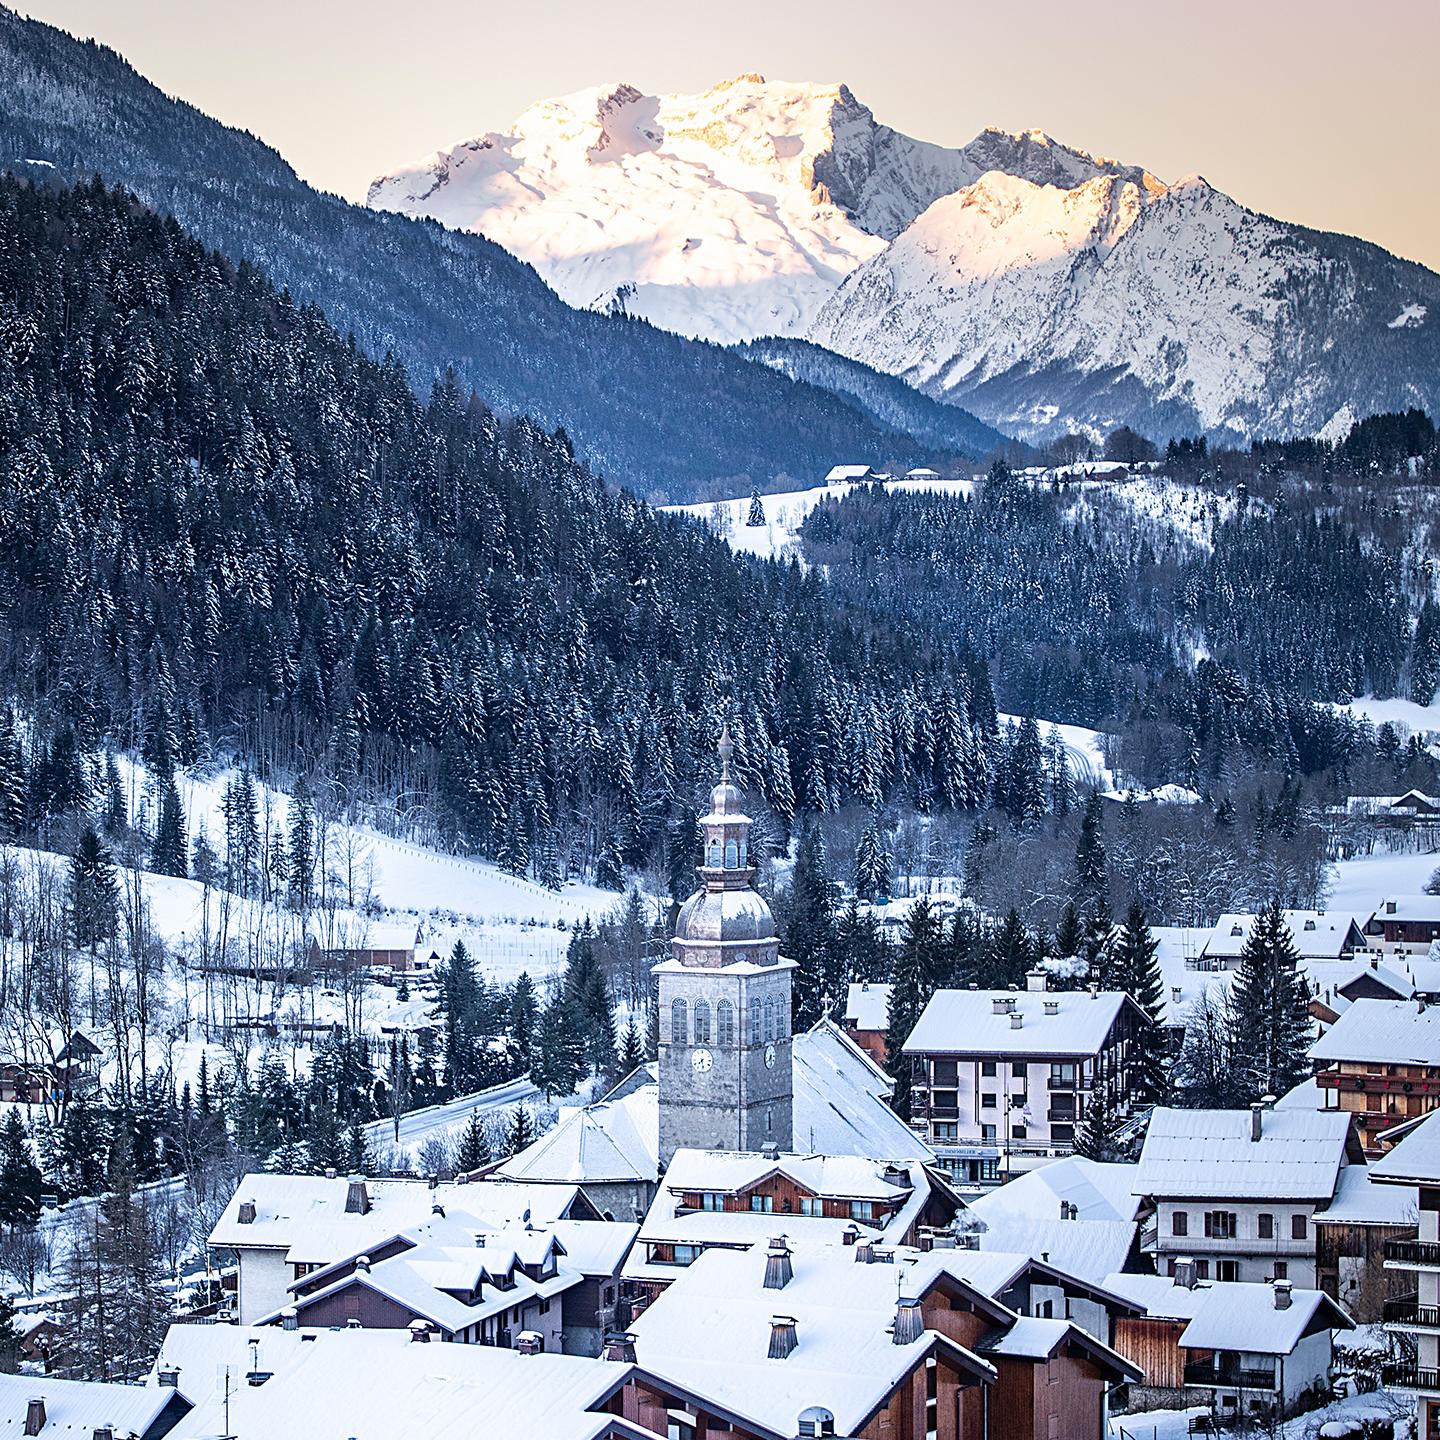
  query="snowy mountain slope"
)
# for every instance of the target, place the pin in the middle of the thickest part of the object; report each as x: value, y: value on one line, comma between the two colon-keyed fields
x: 1172, y: 308
x: 726, y: 215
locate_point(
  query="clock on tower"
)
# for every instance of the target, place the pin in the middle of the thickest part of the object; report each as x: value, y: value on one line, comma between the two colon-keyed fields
x: 725, y: 1071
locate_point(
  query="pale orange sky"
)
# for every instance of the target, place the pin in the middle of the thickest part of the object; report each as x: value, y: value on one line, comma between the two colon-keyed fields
x: 1322, y: 113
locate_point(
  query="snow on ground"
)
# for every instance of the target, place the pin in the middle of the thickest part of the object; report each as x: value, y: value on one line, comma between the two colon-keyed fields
x: 1084, y: 748
x: 1175, y: 1424
x: 785, y: 512
x: 1410, y: 318
x: 1359, y: 885
x: 1421, y: 720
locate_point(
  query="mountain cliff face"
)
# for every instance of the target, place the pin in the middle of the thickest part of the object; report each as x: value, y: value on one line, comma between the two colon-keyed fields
x: 1043, y: 288
x: 664, y: 415
x: 726, y: 216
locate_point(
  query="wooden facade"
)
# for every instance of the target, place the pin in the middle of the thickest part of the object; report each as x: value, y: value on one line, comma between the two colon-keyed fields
x: 779, y: 1195
x: 1350, y: 1268
x: 1062, y: 1398
x: 1153, y: 1344
x: 1379, y: 1095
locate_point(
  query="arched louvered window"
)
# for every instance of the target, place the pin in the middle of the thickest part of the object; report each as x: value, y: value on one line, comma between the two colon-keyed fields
x: 679, y: 1031
x: 702, y: 1022
x: 757, y: 1033
x: 732, y: 855
x: 725, y: 1023
x: 770, y: 1031
x: 712, y: 855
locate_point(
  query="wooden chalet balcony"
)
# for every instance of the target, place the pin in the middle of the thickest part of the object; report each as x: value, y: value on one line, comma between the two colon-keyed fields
x: 1407, y: 1375
x: 1404, y: 1253
x: 1392, y: 1086
x: 1410, y: 1314
x: 1230, y: 1377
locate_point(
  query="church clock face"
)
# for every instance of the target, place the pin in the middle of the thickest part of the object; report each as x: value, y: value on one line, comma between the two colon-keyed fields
x: 701, y: 1061
x: 769, y: 1057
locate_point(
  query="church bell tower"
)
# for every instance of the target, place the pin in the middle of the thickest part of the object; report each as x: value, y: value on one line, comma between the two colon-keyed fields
x: 725, y: 1068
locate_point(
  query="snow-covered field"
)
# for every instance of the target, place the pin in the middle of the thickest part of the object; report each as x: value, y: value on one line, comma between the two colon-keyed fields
x: 1421, y: 720
x: 1359, y: 885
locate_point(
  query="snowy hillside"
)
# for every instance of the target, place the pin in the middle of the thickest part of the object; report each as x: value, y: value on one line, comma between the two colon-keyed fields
x: 727, y: 215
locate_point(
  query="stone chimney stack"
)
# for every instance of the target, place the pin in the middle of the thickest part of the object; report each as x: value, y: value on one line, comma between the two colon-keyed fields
x: 1282, y: 1294
x: 1185, y: 1272
x: 1016, y: 1020
x: 783, y: 1338
x: 169, y: 1377
x: 1036, y: 980
x: 419, y: 1332
x: 247, y: 1212
x: 289, y: 1318
x: 778, y: 1270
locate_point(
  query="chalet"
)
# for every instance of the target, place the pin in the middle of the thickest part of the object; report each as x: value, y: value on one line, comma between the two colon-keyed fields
x: 1337, y: 986
x: 732, y: 1200
x: 1318, y: 935
x: 484, y: 1287
x: 867, y: 1017
x: 1239, y: 1348
x: 1379, y: 1063
x: 1413, y: 1166
x: 74, y: 1070
x: 1351, y: 1236
x: 851, y: 475
x: 1405, y: 924
x: 392, y: 948
x: 1002, y: 1079
x: 283, y: 1227
x: 755, y: 1337
x: 1237, y: 1191
x: 281, y: 1384
x: 45, y: 1406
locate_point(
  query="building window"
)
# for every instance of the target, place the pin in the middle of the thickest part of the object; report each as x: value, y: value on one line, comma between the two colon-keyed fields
x: 685, y: 1254
x: 811, y: 1205
x: 1227, y: 1269
x: 1180, y: 1223
x: 679, y: 1030
x: 987, y: 1102
x: 710, y: 1200
x: 862, y: 1210
x: 712, y: 855
x: 757, y: 1034
x: 702, y: 1022
x: 762, y: 1204
x: 1265, y: 1226
x: 769, y: 1120
x: 1017, y: 1132
x: 732, y: 855
x: 725, y: 1023
x: 1202, y: 1269
x: 1062, y: 1075
x: 946, y: 1130
x: 1219, y: 1225
x: 987, y: 1067
x: 987, y: 1134
x: 1297, y: 1228
x: 1282, y: 1270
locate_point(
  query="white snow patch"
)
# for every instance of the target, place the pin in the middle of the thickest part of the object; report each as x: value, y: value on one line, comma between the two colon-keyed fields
x: 1410, y: 318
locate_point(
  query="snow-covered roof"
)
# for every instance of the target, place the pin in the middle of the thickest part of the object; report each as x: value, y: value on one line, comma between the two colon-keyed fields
x: 1055, y: 1022
x: 80, y: 1407
x: 1243, y: 1316
x: 709, y: 1334
x: 1322, y: 934
x: 1360, y: 1201
x: 615, y: 1140
x: 1334, y: 980
x: 1416, y: 1159
x: 1424, y: 909
x: 1395, y: 1032
x: 846, y: 1177
x: 1097, y: 1191
x: 867, y: 1006
x: 305, y: 1215
x: 838, y: 474
x: 1204, y: 1154
x: 378, y: 1382
x: 1032, y: 1337
x: 1086, y: 1249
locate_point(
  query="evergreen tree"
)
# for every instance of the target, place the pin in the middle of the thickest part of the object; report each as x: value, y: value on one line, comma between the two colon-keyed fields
x: 301, y: 846
x: 1069, y: 934
x: 1134, y: 968
x: 559, y: 1058
x: 756, y: 514
x: 809, y: 932
x: 524, y: 1016
x: 204, y: 863
x: 1024, y: 788
x: 919, y: 965
x: 168, y: 855
x: 1098, y: 1135
x: 632, y: 1048
x: 1092, y: 870
x: 1268, y: 1012
x: 9, y: 1336
x: 520, y: 1132
x: 21, y: 1184
x: 474, y: 1151
x: 13, y: 781
x: 94, y: 894
x: 589, y: 999
x: 1425, y: 654
x: 460, y: 1004
x: 872, y: 862
x: 1007, y: 955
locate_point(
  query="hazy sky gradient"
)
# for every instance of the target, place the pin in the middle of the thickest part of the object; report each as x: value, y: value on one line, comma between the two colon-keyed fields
x: 1323, y: 112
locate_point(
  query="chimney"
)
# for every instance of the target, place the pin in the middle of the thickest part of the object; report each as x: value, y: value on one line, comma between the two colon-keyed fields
x: 620, y: 1345
x: 897, y: 1174
x: 289, y: 1318
x: 815, y: 1423
x: 331, y: 1173
x: 35, y: 1415
x: 1035, y: 980
x: 529, y: 1342
x: 1389, y: 907
x: 1094, y: 992
x: 103, y: 1432
x: 999, y: 1005
x: 352, y: 1323
x: 1257, y: 1111
x: 169, y: 1377
x: 850, y: 1234
x: 1282, y: 1294
x: 357, y: 1197
x: 1185, y: 1272
x: 864, y: 1253
x: 778, y: 1270
x: 1016, y: 1019
x: 770, y: 1150
x: 1268, y: 1101
x: 419, y: 1332
x: 438, y: 1210
x: 362, y: 1264
x: 782, y: 1336
x: 247, y: 1212
x: 1174, y: 994
x: 909, y: 1323
x: 433, y: 1181
x: 1052, y: 1007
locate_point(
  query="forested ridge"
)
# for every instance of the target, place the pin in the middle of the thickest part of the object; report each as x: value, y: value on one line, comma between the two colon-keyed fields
x: 223, y: 525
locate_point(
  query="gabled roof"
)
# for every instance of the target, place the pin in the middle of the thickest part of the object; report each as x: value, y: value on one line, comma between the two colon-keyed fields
x: 1360, y: 1201
x: 994, y: 1272
x: 965, y: 1022
x: 1396, y: 1032
x: 1422, y: 909
x: 377, y: 1382
x: 1097, y: 1191
x: 840, y: 1177
x: 1323, y: 934
x: 1416, y: 1159
x: 1208, y: 1154
x: 1033, y: 1338
x: 867, y: 1005
x: 1243, y: 1317
x: 80, y: 1407
x: 1086, y: 1249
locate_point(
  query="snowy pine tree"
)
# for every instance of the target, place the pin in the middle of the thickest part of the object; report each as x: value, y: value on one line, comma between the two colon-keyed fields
x: 1268, y: 1013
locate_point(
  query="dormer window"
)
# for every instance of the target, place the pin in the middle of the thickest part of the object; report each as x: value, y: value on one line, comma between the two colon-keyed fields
x: 1237, y: 930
